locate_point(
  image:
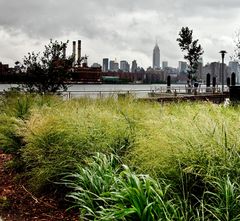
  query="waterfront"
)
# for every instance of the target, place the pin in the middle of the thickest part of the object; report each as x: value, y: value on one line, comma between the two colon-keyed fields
x: 105, y: 90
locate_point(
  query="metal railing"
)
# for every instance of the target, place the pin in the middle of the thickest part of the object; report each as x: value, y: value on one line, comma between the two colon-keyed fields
x: 139, y: 93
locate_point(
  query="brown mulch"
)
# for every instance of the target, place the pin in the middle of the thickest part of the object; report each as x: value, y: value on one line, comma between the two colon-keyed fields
x: 17, y: 203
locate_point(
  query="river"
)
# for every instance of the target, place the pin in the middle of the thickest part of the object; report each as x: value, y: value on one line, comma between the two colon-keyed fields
x: 103, y: 90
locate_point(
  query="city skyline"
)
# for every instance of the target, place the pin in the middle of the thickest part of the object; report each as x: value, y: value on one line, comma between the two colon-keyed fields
x: 118, y: 29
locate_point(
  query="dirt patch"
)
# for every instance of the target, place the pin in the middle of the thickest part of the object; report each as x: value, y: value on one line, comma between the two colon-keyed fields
x: 17, y: 203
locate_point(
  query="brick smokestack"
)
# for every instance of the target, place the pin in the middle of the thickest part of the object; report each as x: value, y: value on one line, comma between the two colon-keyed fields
x: 74, y: 52
x: 79, y: 52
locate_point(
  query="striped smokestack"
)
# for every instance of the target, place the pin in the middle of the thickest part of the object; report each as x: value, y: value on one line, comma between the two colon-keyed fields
x: 79, y: 52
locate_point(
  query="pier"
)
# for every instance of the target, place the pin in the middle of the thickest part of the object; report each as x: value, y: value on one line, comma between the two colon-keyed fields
x: 215, y: 98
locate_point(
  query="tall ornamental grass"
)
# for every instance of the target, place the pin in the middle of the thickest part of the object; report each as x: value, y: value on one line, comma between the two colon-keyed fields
x: 15, y: 109
x: 197, y: 139
x: 58, y: 138
x: 193, y: 147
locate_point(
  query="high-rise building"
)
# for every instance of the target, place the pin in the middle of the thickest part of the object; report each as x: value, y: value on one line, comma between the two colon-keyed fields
x: 182, y: 67
x: 199, y: 72
x: 134, y: 66
x: 114, y: 66
x: 156, y: 57
x: 164, y: 64
x: 111, y: 65
x: 105, y: 65
x: 124, y: 66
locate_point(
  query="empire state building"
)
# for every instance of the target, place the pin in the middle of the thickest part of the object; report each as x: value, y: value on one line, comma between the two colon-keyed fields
x: 156, y: 57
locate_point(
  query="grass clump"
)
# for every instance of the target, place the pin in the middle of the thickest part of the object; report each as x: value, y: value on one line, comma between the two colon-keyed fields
x: 90, y: 184
x: 200, y: 139
x: 58, y: 138
x: 10, y: 142
x: 103, y: 190
x: 223, y: 203
x: 15, y: 110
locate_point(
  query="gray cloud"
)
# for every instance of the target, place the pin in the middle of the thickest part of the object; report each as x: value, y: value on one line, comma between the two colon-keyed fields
x: 121, y: 29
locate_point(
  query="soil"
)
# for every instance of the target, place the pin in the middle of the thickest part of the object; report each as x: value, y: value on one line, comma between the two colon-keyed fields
x: 17, y: 203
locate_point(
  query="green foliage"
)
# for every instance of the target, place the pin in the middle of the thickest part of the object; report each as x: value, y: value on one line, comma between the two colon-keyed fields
x: 103, y: 192
x: 193, y: 147
x: 16, y: 108
x: 236, y: 55
x: 49, y: 72
x: 15, y: 104
x: 192, y: 144
x: 10, y: 142
x: 90, y: 184
x: 193, y: 49
x: 57, y: 138
x: 177, y: 141
x: 138, y: 197
x: 223, y: 203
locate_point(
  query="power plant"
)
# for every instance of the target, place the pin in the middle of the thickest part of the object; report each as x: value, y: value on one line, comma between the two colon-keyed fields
x: 81, y: 73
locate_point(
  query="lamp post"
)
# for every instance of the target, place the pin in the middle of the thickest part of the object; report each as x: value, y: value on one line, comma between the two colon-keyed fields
x: 223, y: 54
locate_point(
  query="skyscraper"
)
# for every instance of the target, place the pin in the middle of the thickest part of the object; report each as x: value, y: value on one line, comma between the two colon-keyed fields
x: 111, y: 65
x: 124, y: 66
x: 182, y: 67
x: 134, y: 66
x: 105, y: 65
x: 156, y: 57
x: 114, y: 66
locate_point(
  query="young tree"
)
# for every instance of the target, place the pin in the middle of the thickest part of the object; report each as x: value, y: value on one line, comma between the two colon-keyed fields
x: 193, y: 49
x: 49, y: 72
x: 236, y: 55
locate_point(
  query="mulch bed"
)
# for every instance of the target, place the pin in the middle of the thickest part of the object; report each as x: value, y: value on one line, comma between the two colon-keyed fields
x: 17, y: 203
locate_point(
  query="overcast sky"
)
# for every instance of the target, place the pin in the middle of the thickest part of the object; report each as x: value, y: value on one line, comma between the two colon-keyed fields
x: 121, y: 29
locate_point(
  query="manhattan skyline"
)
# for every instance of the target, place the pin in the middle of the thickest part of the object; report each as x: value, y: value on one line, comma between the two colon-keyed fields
x: 118, y: 29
